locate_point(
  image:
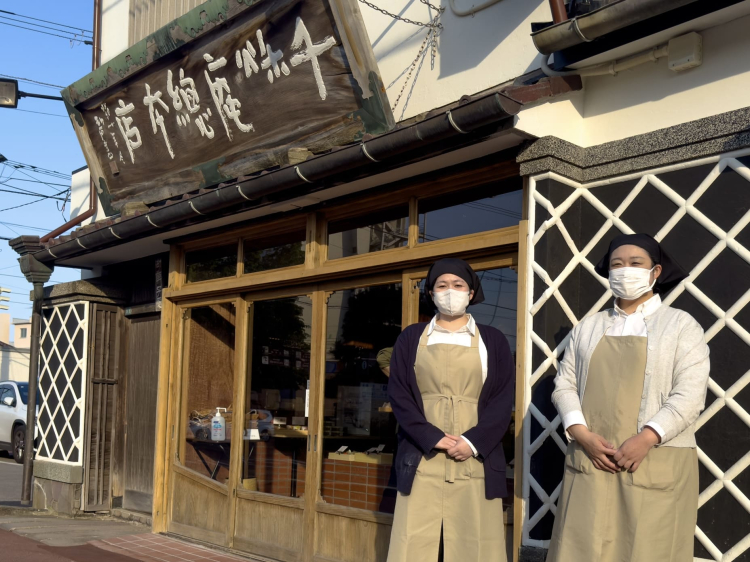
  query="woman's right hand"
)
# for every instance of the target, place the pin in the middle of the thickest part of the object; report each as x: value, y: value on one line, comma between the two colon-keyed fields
x: 446, y: 443
x: 597, y: 448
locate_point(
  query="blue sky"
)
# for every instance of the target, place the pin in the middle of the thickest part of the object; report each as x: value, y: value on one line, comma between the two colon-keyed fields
x: 44, y: 141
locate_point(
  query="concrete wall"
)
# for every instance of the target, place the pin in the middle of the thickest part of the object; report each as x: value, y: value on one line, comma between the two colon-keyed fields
x: 115, y: 18
x: 14, y: 365
x: 79, y: 197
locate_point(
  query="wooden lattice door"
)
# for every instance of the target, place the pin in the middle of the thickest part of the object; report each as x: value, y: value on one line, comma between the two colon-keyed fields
x: 103, y: 377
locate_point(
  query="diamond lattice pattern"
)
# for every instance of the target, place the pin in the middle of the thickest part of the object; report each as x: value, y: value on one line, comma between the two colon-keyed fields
x: 683, y: 204
x: 62, y: 383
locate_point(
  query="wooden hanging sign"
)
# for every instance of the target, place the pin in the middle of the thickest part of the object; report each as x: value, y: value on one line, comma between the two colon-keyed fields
x: 224, y: 91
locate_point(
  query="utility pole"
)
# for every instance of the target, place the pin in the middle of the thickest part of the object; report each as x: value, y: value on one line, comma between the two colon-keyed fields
x: 4, y: 299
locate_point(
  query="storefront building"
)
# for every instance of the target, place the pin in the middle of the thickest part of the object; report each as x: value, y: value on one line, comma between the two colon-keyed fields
x: 265, y: 282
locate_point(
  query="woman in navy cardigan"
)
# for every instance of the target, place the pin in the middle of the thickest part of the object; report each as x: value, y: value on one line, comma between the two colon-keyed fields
x: 451, y: 389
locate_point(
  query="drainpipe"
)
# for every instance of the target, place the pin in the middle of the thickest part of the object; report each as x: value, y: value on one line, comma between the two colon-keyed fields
x: 37, y: 274
x: 559, y: 14
x: 587, y: 27
x: 96, y: 55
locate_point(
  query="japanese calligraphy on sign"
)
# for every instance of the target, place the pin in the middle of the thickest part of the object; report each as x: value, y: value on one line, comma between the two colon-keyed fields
x: 230, y: 101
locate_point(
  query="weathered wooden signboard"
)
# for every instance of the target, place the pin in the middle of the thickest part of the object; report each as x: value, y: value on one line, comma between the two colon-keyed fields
x: 227, y: 90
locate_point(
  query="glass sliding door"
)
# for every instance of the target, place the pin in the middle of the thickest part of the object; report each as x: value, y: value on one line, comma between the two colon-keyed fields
x: 270, y: 500
x: 359, y: 428
x: 200, y: 504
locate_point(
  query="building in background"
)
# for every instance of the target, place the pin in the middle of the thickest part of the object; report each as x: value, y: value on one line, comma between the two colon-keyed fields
x: 21, y: 333
x: 258, y: 257
x: 14, y: 356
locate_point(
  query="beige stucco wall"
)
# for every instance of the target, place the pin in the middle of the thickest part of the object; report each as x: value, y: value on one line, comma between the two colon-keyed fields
x: 14, y: 365
x: 5, y: 328
x: 19, y: 340
x: 652, y: 97
x: 474, y: 53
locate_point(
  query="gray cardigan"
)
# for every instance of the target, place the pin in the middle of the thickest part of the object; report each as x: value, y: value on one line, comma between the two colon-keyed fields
x: 677, y: 368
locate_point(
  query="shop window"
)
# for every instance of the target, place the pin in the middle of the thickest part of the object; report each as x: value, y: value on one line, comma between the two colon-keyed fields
x: 468, y: 212
x: 211, y: 263
x: 208, y: 385
x: 274, y: 253
x: 376, y: 231
x: 276, y: 423
x: 359, y: 428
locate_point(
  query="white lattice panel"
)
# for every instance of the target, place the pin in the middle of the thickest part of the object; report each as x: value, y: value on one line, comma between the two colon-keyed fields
x: 62, y: 383
x: 725, y: 319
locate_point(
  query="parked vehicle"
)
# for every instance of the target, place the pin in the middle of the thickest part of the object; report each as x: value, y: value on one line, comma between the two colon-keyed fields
x: 13, y: 399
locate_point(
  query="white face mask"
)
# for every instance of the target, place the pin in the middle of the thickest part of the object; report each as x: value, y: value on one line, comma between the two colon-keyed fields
x: 451, y: 302
x: 630, y: 283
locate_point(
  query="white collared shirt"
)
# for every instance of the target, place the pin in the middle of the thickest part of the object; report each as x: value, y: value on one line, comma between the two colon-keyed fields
x: 634, y: 324
x: 462, y: 337
x: 625, y: 325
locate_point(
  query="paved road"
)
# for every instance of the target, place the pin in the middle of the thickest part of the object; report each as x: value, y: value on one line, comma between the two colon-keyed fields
x: 10, y: 479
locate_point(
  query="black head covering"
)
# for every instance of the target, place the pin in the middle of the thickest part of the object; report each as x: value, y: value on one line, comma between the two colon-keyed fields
x: 671, y: 272
x: 457, y: 267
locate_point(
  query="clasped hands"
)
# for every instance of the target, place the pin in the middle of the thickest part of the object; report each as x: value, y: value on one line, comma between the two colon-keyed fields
x: 605, y: 456
x: 457, y: 448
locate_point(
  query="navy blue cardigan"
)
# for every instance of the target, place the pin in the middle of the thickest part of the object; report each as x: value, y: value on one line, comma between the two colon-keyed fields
x: 417, y: 437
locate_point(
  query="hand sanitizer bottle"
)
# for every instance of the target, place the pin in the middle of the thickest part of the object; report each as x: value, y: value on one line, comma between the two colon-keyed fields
x: 218, y: 426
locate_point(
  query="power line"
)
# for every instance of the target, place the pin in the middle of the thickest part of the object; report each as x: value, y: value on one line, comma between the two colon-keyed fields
x: 47, y: 21
x: 23, y: 205
x: 32, y: 194
x: 35, y: 181
x: 47, y: 33
x: 36, y: 169
x: 43, y: 26
x: 24, y: 226
x: 29, y: 80
x: 40, y: 112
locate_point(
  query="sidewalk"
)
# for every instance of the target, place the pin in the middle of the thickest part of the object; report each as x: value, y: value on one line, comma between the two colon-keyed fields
x: 27, y: 536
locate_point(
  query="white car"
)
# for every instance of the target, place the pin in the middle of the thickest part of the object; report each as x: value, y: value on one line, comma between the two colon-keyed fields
x: 13, y: 398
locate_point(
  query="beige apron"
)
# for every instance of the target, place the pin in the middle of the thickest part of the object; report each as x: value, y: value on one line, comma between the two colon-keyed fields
x: 645, y: 516
x: 448, y: 494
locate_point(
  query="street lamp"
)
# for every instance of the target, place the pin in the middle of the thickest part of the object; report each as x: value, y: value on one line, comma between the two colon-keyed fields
x: 10, y: 94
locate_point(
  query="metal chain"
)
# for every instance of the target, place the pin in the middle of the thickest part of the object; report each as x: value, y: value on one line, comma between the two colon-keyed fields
x: 411, y: 69
x: 432, y: 25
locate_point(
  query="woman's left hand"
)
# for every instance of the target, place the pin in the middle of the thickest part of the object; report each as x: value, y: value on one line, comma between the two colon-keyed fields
x: 461, y: 451
x: 631, y: 453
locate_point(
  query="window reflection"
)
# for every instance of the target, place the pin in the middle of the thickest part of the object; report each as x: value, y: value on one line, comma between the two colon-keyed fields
x: 209, y: 384
x: 379, y: 230
x: 275, y: 437
x: 359, y: 428
x: 211, y: 263
x: 468, y: 212
x: 280, y: 251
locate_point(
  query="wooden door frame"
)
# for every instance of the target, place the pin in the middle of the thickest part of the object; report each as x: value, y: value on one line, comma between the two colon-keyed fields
x: 177, y: 397
x: 317, y: 278
x: 89, y: 382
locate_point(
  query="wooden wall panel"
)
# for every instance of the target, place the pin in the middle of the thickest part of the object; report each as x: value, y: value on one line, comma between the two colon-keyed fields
x: 141, y: 390
x: 104, y: 352
x: 350, y: 540
x: 268, y: 529
x: 198, y: 511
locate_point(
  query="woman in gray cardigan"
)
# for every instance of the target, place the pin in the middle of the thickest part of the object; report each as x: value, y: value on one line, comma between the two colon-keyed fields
x: 629, y: 390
